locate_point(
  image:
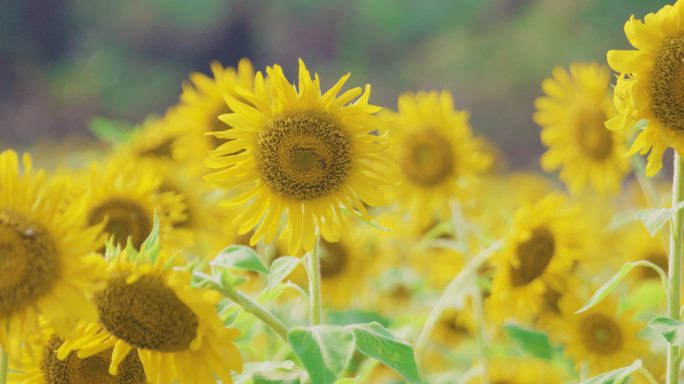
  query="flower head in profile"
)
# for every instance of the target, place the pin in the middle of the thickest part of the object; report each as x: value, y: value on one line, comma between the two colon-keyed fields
x: 314, y: 156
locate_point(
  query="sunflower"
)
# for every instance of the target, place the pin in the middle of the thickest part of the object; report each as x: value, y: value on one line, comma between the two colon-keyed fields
x: 47, y: 262
x: 150, y: 308
x: 125, y: 195
x: 649, y: 86
x: 522, y: 371
x: 200, y: 105
x: 600, y: 337
x: 39, y: 365
x: 572, y: 115
x: 637, y: 244
x: 316, y: 156
x: 437, y: 154
x: 157, y: 138
x: 545, y: 240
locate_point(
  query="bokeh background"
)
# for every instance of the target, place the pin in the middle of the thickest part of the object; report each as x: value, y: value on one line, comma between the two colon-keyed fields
x: 65, y: 62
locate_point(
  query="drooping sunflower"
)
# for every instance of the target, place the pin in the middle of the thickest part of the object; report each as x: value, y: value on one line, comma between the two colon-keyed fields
x: 572, y: 115
x: 438, y: 156
x: 200, y: 105
x: 316, y: 156
x: 150, y: 308
x: 649, y: 86
x: 545, y: 240
x: 125, y: 195
x: 600, y: 337
x: 39, y: 365
x: 47, y: 260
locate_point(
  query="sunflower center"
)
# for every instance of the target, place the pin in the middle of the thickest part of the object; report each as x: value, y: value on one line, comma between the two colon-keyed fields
x: 451, y: 323
x: 593, y: 138
x: 667, y: 84
x: 426, y: 158
x: 303, y: 155
x: 333, y: 260
x: 146, y: 314
x: 535, y: 255
x: 126, y: 218
x: 93, y: 369
x: 29, y: 263
x: 164, y: 149
x: 658, y: 258
x: 601, y: 334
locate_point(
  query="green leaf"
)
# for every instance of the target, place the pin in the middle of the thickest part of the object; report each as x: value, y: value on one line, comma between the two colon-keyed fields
x: 610, y: 285
x: 671, y: 329
x: 654, y: 218
x: 281, y: 268
x: 239, y: 257
x: 324, y: 350
x: 349, y: 380
x: 533, y: 342
x: 110, y: 131
x: 616, y: 376
x: 149, y: 249
x: 374, y: 340
x: 355, y: 316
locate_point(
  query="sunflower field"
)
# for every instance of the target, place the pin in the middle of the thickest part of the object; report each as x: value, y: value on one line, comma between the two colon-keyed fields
x: 273, y: 225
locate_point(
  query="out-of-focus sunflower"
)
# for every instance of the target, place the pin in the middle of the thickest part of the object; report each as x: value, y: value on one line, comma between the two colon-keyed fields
x: 600, y: 337
x: 47, y: 263
x: 156, y: 138
x: 125, y: 196
x: 39, y: 365
x: 635, y: 243
x: 545, y: 240
x: 572, y: 116
x: 437, y: 154
x: 148, y: 307
x: 522, y: 371
x: 201, y: 103
x: 649, y: 86
x: 295, y: 150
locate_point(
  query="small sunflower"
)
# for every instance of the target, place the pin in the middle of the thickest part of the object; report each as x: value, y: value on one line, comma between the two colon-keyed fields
x: 545, y: 240
x: 649, y: 86
x: 437, y: 154
x: 150, y: 308
x: 600, y: 337
x: 47, y: 258
x: 572, y: 116
x: 157, y: 138
x: 39, y: 365
x: 200, y: 105
x: 295, y: 150
x: 125, y: 195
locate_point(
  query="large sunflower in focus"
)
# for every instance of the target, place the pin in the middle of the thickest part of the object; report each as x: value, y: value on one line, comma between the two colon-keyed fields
x: 44, y: 263
x: 546, y: 239
x: 437, y: 154
x: 150, y: 308
x: 294, y: 149
x: 650, y: 85
x: 572, y: 115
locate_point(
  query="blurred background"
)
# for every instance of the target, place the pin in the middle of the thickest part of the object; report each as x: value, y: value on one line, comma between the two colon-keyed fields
x: 65, y: 62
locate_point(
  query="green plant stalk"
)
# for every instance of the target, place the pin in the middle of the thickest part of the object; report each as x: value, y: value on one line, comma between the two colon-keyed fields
x: 674, y: 356
x: 4, y: 361
x: 478, y: 316
x: 314, y: 269
x: 257, y: 310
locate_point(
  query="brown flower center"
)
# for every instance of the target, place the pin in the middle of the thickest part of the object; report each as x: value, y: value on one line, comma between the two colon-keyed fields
x: 334, y: 259
x: 29, y: 262
x: 535, y: 255
x: 592, y: 137
x: 657, y: 258
x: 146, y: 314
x: 426, y: 158
x: 125, y: 218
x: 667, y: 84
x: 93, y: 369
x: 600, y: 334
x: 303, y: 155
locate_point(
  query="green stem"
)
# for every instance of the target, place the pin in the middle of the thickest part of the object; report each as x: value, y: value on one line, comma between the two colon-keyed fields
x: 675, y: 267
x: 478, y: 316
x: 257, y: 310
x: 4, y: 360
x: 314, y: 260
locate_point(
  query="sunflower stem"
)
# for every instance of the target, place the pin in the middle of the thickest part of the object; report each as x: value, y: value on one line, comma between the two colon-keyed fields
x: 675, y: 267
x: 257, y: 310
x: 4, y: 362
x: 314, y: 260
x: 478, y: 316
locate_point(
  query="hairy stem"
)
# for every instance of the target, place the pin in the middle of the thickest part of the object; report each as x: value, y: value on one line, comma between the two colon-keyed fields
x: 257, y: 310
x: 314, y: 270
x: 675, y: 267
